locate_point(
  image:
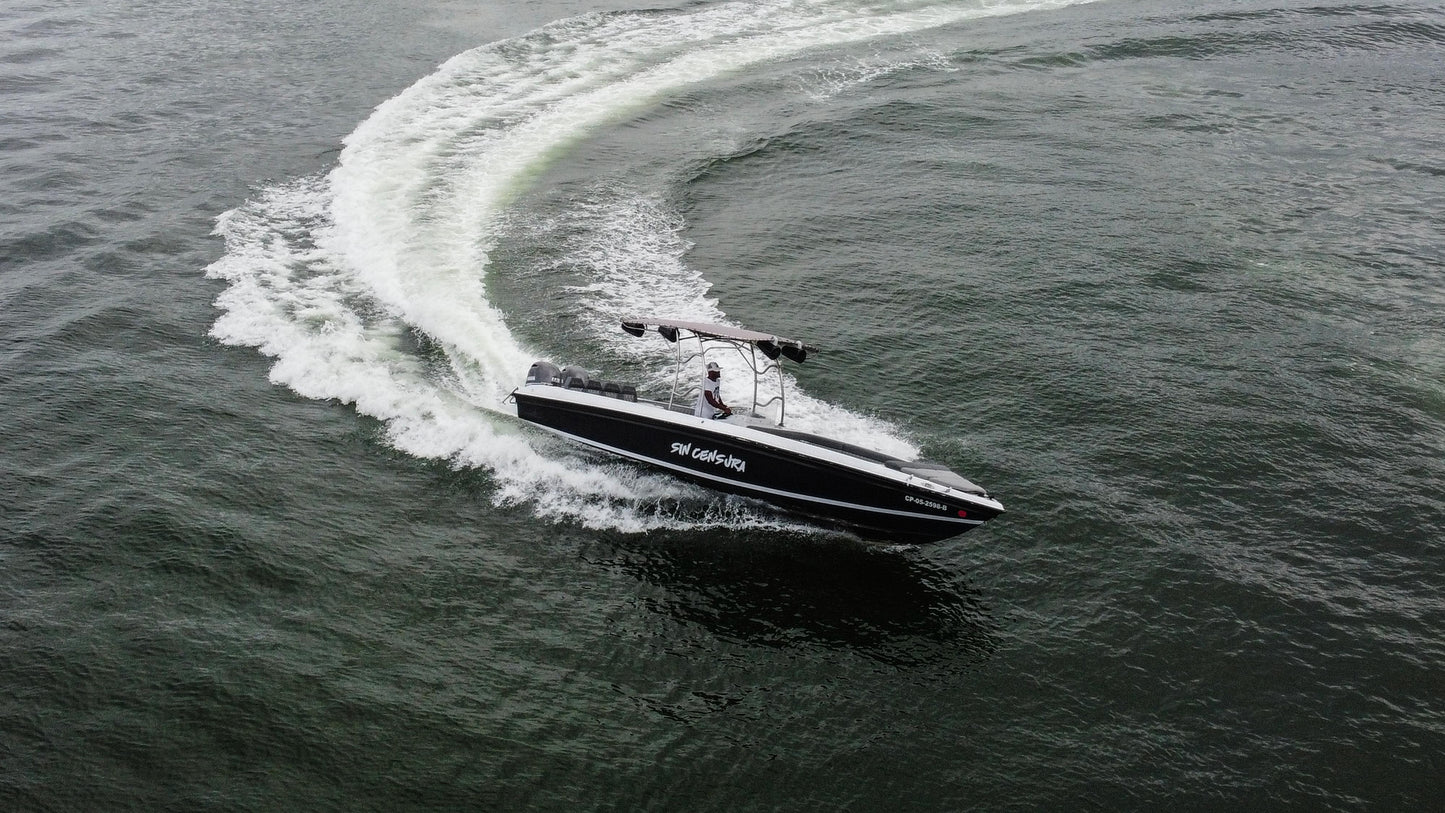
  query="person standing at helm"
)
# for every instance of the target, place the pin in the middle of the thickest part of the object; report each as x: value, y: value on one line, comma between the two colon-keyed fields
x: 709, y: 401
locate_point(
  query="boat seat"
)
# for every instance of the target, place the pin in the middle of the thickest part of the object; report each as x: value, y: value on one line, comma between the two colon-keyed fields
x: 620, y: 391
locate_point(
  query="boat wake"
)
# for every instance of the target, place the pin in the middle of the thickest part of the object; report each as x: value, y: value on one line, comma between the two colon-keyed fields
x: 369, y: 285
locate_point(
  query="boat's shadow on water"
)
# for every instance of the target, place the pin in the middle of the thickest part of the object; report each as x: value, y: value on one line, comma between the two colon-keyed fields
x: 789, y: 591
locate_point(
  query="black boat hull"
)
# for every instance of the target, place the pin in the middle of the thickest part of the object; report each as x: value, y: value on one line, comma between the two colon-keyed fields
x: 859, y: 496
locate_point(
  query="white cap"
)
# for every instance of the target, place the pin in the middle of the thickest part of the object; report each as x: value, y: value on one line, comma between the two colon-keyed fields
x: 711, y: 365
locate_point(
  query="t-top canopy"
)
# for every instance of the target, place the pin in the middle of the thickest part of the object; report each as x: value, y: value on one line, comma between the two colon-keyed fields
x: 770, y: 344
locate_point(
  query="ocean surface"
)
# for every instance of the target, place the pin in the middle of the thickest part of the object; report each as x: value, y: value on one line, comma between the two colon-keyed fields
x: 1165, y: 277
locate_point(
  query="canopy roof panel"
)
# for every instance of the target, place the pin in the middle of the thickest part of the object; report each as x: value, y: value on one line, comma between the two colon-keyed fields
x: 636, y: 326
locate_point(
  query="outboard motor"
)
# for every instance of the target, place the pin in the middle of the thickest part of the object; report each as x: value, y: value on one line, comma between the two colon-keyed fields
x: 544, y: 372
x: 574, y: 377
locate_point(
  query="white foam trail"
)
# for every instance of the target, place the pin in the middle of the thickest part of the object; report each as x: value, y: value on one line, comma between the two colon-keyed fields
x: 332, y: 276
x: 629, y: 246
x: 828, y: 81
x: 631, y: 243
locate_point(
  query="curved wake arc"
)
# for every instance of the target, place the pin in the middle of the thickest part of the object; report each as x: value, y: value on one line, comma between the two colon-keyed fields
x: 327, y: 275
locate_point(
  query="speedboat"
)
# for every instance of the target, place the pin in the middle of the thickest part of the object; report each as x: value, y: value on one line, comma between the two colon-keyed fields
x: 751, y: 452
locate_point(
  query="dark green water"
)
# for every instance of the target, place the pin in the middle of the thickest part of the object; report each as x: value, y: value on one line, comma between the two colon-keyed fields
x: 1166, y: 280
